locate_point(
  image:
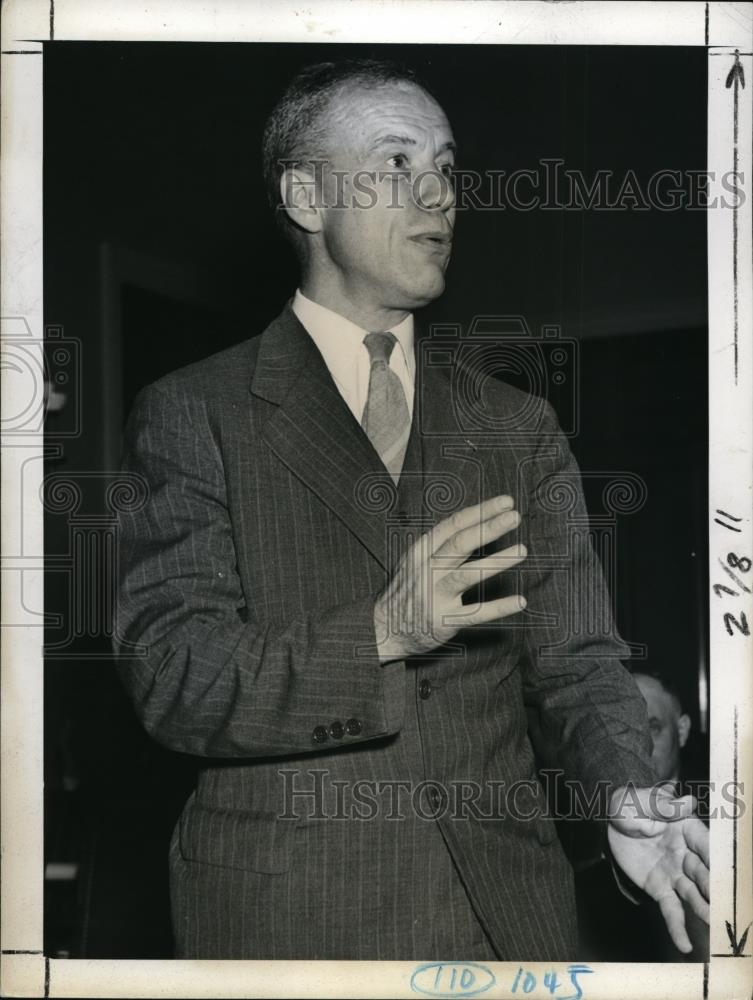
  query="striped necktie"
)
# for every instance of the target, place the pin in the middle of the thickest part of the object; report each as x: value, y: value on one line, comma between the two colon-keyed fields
x: 386, y: 418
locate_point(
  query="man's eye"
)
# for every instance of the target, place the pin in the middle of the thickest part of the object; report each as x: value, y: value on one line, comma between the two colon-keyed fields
x: 399, y: 161
x: 447, y: 169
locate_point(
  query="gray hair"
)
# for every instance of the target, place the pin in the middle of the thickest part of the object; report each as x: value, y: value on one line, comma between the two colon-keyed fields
x: 297, y: 128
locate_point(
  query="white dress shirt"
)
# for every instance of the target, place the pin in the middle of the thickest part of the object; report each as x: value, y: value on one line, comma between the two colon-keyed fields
x: 340, y: 343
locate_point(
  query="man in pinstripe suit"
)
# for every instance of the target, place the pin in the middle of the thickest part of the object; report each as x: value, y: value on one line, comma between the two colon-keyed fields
x: 335, y: 615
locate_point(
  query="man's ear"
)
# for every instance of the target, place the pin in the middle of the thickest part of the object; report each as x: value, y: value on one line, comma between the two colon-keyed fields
x: 683, y: 729
x: 298, y: 191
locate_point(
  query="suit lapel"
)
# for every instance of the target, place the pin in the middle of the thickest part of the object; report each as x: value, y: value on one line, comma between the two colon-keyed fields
x: 314, y: 433
x: 455, y: 468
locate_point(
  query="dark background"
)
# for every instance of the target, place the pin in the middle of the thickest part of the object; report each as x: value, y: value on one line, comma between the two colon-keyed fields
x: 160, y: 250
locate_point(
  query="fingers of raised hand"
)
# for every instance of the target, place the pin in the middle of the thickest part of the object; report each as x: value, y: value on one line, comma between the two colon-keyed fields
x: 458, y: 580
x: 455, y: 549
x: 460, y: 546
x: 469, y: 516
x: 484, y: 614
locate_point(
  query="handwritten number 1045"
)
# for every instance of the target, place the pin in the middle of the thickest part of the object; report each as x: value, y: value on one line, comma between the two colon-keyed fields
x: 525, y: 981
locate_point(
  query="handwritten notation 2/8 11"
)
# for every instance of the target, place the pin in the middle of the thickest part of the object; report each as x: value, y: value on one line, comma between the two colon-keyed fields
x: 735, y: 566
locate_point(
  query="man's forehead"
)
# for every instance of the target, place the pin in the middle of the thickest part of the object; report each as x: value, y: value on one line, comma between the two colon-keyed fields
x: 399, y: 111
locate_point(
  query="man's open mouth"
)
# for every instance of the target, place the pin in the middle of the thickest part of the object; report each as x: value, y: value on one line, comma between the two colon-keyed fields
x: 438, y: 240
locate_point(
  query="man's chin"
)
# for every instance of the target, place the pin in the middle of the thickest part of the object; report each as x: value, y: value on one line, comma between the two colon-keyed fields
x: 426, y: 289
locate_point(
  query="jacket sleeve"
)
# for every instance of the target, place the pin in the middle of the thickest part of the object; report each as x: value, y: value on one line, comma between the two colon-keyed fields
x: 591, y: 713
x: 205, y: 677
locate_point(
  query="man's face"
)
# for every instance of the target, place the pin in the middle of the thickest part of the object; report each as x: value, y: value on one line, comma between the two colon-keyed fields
x: 669, y: 728
x: 390, y: 245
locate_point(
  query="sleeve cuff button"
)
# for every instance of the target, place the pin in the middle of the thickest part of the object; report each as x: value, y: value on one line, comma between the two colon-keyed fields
x: 337, y: 730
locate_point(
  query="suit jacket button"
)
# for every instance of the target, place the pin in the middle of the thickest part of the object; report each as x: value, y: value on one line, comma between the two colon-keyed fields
x: 424, y: 689
x: 545, y: 832
x: 320, y: 734
x: 353, y: 727
x: 337, y: 730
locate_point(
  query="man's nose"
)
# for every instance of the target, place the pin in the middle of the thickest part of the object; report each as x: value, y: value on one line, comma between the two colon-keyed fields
x: 433, y: 191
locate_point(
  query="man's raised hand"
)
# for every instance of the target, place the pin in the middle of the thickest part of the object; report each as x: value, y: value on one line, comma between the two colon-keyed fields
x: 422, y: 606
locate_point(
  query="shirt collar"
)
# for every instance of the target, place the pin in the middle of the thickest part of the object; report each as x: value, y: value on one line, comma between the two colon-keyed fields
x: 339, y: 340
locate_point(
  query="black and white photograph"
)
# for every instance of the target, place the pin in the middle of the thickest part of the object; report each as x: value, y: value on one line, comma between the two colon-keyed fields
x: 377, y: 435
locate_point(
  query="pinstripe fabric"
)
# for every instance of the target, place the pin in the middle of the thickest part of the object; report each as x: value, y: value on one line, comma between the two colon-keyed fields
x: 250, y: 575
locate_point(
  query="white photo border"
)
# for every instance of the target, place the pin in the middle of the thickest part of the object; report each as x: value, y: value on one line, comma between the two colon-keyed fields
x: 726, y: 31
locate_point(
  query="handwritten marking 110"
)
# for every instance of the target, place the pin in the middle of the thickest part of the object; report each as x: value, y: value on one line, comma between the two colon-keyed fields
x: 469, y: 979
